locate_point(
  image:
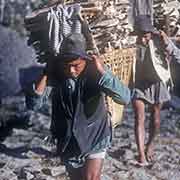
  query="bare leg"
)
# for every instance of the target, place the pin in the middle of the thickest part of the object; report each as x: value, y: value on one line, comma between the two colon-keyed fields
x: 92, y: 169
x: 139, y: 109
x: 154, y: 127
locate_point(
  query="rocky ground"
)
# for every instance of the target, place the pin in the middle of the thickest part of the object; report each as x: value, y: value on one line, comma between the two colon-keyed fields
x: 24, y: 156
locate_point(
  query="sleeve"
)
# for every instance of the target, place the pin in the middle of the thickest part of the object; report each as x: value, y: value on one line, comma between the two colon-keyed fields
x: 34, y: 101
x: 173, y: 50
x: 114, y: 88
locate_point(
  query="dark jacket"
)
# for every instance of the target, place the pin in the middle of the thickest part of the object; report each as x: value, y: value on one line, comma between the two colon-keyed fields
x: 83, y: 114
x: 153, y: 61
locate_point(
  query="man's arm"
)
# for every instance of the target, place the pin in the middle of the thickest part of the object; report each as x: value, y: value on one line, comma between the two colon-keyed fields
x: 38, y: 94
x: 171, y: 48
x: 111, y: 85
x: 41, y: 85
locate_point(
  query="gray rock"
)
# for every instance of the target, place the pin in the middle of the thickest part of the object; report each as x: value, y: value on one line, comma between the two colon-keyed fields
x: 57, y: 171
x: 46, y: 171
x: 140, y: 174
x: 105, y: 177
x: 29, y: 176
x: 7, y: 174
x: 18, y: 64
x: 24, y: 155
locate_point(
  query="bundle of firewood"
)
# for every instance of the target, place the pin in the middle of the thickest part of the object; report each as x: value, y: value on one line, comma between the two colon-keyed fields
x: 110, y: 20
x: 110, y: 25
x: 167, y: 15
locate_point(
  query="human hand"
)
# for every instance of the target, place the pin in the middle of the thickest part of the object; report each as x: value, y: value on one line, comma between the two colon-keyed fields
x: 177, y: 39
x: 164, y: 37
x: 98, y: 62
x: 41, y: 85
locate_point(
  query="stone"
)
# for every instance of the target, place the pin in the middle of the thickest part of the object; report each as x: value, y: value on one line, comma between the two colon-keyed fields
x: 57, y: 171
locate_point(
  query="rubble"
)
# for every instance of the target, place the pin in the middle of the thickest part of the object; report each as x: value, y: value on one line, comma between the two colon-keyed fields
x: 24, y: 156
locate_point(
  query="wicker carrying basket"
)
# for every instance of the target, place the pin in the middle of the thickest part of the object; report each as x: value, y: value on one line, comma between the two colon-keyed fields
x: 120, y: 62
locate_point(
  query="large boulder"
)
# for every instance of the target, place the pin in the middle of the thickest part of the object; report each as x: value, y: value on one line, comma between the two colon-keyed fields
x: 18, y: 65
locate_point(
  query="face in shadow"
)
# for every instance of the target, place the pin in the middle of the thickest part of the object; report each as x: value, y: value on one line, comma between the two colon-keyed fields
x: 144, y: 38
x: 72, y: 68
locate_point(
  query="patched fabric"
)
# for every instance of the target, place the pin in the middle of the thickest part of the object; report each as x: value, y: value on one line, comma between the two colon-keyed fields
x: 156, y: 93
x: 142, y: 7
x: 62, y: 21
x: 49, y: 27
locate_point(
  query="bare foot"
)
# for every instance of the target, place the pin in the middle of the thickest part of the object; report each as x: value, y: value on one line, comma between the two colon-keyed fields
x: 141, y: 162
x: 142, y: 159
x: 144, y: 164
x: 150, y: 153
